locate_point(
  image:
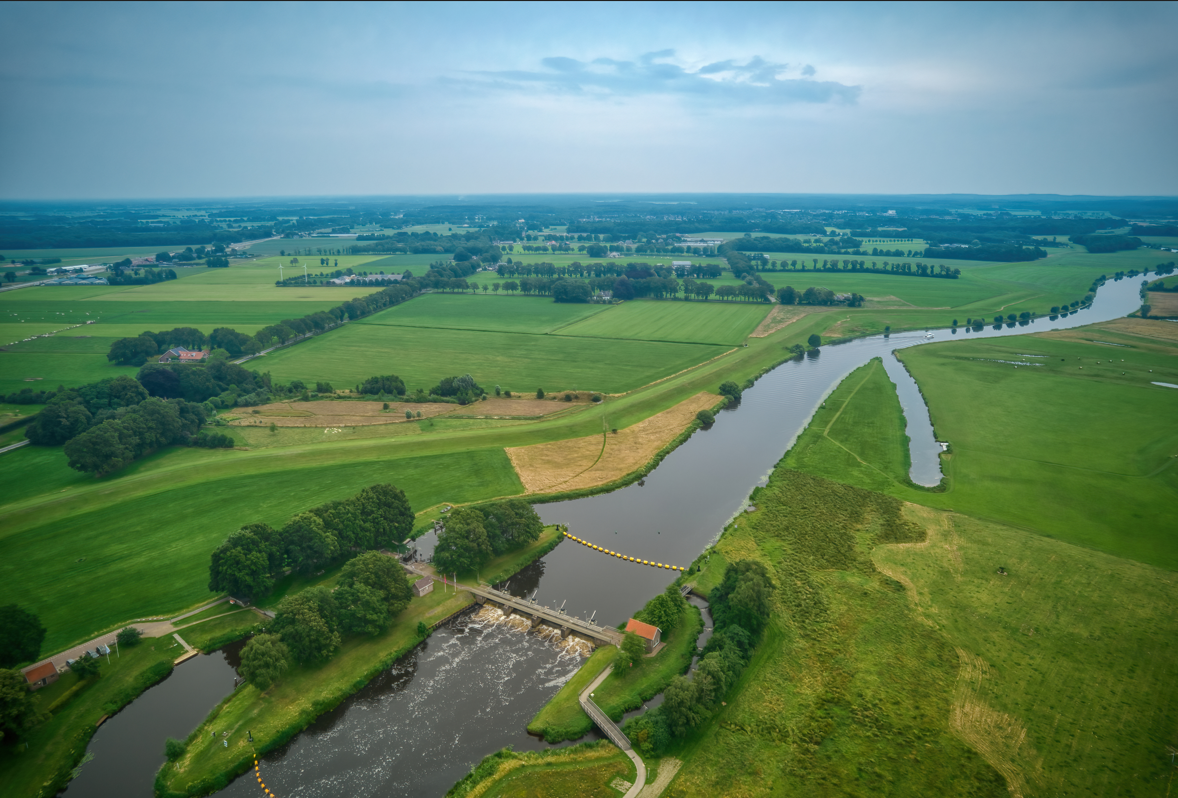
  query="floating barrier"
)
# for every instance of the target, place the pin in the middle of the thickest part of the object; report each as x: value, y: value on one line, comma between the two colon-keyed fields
x: 634, y: 560
x: 258, y: 773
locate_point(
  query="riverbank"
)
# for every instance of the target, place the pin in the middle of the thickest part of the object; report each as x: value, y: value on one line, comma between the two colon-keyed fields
x: 307, y: 692
x: 45, y: 760
x: 562, y: 717
x: 589, y: 770
x: 303, y: 694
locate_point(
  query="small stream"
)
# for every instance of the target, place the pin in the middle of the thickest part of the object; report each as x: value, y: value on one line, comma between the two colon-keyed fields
x: 472, y: 687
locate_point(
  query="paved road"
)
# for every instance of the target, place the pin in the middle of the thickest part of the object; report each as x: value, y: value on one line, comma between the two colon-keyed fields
x: 14, y: 446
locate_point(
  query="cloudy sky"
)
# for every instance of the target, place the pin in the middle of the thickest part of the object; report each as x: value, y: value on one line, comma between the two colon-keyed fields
x: 103, y: 100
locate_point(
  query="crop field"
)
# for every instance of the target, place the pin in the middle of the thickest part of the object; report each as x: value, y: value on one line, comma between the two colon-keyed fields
x: 500, y: 313
x: 518, y: 362
x: 720, y: 323
x: 107, y: 561
x: 1067, y: 444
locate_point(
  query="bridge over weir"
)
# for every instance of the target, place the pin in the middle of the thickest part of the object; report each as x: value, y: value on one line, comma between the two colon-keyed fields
x: 553, y: 617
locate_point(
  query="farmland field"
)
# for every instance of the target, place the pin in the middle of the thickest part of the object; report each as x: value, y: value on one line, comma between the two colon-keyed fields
x: 719, y: 323
x: 148, y: 555
x: 517, y: 362
x: 498, y: 313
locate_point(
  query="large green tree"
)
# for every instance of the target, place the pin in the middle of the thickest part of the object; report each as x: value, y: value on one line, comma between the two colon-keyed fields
x: 240, y: 567
x: 463, y: 544
x: 21, y: 636
x: 308, y: 543
x: 18, y: 709
x: 632, y: 650
x: 511, y: 524
x: 308, y: 623
x: 372, y: 590
x: 263, y: 660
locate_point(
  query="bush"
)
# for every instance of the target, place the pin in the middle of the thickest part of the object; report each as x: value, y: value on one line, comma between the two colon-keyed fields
x: 174, y: 749
x: 129, y: 637
x: 815, y: 340
x: 539, y: 393
x: 705, y: 417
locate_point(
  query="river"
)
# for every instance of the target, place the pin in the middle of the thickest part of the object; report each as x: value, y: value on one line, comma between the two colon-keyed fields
x: 471, y: 688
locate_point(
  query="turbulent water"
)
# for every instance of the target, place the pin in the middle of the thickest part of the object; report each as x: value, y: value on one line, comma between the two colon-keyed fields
x: 420, y: 726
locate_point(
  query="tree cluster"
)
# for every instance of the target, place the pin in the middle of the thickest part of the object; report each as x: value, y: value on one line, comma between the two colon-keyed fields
x: 740, y: 609
x: 473, y: 535
x: 251, y: 559
x: 132, y: 432
x: 1107, y: 243
x: 145, y: 276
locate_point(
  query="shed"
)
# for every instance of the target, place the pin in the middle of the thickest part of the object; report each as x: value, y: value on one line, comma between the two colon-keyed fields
x: 40, y: 675
x: 651, y: 635
x: 422, y: 586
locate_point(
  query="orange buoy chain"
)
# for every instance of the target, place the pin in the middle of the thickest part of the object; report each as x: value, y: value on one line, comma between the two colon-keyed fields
x: 623, y: 556
x: 258, y: 773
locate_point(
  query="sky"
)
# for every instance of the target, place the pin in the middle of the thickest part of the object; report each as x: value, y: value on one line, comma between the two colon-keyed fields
x: 155, y: 100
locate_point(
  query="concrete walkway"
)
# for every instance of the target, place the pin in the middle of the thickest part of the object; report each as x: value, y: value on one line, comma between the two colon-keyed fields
x: 14, y: 446
x: 613, y: 732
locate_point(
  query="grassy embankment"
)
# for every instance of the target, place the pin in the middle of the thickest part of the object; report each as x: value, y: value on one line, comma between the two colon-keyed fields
x: 584, y: 770
x: 1060, y: 674
x: 54, y: 747
x: 1071, y: 444
x: 562, y: 717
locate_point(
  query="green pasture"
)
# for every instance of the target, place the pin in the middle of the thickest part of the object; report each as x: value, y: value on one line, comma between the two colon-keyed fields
x: 39, y: 370
x: 719, y: 323
x: 499, y: 313
x: 1078, y: 649
x: 517, y: 362
x: 110, y: 560
x: 92, y: 256
x: 848, y: 693
x: 1072, y: 448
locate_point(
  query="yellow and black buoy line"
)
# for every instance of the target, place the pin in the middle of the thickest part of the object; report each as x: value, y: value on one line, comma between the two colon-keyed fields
x: 258, y: 773
x: 623, y: 556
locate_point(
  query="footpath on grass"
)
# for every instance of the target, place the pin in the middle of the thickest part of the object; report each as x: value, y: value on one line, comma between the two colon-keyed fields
x: 613, y: 732
x: 146, y: 627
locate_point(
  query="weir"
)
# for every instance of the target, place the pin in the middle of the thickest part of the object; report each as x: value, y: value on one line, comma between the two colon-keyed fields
x: 602, y: 635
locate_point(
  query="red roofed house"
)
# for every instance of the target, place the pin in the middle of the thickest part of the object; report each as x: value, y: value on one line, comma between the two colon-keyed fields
x: 41, y: 675
x: 183, y: 355
x: 651, y: 634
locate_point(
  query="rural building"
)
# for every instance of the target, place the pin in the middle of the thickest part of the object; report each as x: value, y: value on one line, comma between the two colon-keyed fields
x: 603, y: 296
x: 686, y: 264
x: 183, y: 355
x: 422, y: 586
x: 40, y: 675
x: 240, y: 601
x: 651, y: 635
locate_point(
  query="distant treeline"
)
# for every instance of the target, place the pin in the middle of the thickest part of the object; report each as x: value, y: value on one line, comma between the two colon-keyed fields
x: 1107, y: 243
x: 147, y: 276
x: 136, y: 351
x: 59, y: 233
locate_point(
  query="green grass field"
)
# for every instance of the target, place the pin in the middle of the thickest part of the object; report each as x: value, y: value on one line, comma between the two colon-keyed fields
x: 498, y: 313
x: 1072, y: 654
x: 848, y: 693
x: 518, y: 362
x: 149, y: 555
x: 1074, y: 453
x: 718, y: 323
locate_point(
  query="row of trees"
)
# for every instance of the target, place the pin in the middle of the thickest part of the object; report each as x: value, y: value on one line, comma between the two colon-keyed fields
x: 740, y: 610
x: 473, y: 535
x: 136, y: 351
x: 817, y: 296
x: 309, y: 626
x: 251, y: 559
x: 147, y: 276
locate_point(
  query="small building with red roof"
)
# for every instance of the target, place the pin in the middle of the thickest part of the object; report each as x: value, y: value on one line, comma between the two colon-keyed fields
x: 40, y: 675
x: 651, y: 635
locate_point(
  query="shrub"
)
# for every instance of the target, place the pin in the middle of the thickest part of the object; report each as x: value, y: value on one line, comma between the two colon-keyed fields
x: 705, y: 417
x: 129, y: 637
x: 539, y: 393
x: 174, y: 749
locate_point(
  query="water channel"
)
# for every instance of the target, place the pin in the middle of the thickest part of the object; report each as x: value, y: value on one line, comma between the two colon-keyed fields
x: 472, y: 687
